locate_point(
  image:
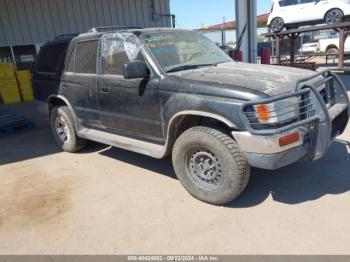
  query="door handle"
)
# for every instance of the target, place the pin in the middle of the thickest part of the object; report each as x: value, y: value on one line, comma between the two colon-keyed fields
x: 104, y: 90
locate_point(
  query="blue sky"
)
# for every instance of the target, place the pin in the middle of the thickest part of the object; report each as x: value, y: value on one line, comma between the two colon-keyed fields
x: 191, y: 14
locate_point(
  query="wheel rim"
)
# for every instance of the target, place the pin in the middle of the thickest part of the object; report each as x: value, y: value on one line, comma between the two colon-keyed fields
x: 277, y: 24
x: 332, y: 51
x: 62, y: 130
x: 333, y: 17
x: 205, y: 169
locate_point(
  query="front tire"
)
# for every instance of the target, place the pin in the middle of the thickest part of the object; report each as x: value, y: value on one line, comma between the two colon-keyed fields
x: 277, y: 25
x: 63, y: 130
x: 210, y: 165
x: 334, y: 16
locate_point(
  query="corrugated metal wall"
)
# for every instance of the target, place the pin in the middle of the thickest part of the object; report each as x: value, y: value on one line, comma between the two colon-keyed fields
x: 37, y: 21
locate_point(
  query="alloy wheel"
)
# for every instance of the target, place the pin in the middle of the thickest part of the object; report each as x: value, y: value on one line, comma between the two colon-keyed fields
x: 334, y: 17
x: 277, y: 25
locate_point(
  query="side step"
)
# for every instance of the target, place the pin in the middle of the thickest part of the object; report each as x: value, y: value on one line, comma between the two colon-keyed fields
x: 138, y: 146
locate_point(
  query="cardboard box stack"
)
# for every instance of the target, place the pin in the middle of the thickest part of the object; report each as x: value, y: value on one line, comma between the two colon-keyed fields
x: 24, y: 78
x: 8, y: 84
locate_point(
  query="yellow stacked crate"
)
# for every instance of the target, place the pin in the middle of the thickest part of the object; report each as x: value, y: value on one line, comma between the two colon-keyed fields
x: 7, y: 70
x: 24, y: 78
x: 8, y: 84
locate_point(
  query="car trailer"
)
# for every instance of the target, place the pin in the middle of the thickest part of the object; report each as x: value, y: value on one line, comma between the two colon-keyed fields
x: 343, y: 29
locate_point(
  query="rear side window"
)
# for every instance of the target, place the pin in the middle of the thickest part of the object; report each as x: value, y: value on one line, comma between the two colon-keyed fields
x: 288, y: 2
x: 50, y: 57
x: 71, y: 62
x: 85, y: 56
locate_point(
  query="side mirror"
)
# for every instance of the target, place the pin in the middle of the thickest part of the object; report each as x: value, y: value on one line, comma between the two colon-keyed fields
x: 135, y: 69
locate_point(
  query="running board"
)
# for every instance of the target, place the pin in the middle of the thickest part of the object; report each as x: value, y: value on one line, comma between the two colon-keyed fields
x: 138, y: 146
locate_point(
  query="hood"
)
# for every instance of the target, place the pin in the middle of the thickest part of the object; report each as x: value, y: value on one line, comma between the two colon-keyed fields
x: 271, y: 80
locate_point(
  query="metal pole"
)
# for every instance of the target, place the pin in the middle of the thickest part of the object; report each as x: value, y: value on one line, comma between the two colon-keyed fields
x: 13, y: 54
x: 173, y: 20
x: 278, y: 50
x: 341, y: 49
x: 292, y: 48
x: 246, y: 17
x: 223, y: 32
x: 270, y: 39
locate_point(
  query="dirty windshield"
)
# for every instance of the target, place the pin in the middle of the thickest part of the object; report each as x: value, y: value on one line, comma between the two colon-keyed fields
x: 177, y: 51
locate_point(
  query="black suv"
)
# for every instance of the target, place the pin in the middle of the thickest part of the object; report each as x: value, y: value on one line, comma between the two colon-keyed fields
x: 162, y: 92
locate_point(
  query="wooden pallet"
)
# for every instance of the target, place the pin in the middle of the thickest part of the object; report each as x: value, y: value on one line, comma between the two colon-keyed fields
x: 11, y: 130
x: 11, y: 122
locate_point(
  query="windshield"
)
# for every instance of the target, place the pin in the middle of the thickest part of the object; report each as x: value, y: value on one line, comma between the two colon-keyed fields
x: 181, y: 50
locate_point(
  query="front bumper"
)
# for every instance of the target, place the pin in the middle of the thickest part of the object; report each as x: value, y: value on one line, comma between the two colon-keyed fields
x: 264, y: 151
x: 317, y: 131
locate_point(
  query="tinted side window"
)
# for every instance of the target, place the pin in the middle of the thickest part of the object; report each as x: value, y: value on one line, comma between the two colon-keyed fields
x: 288, y: 2
x: 306, y: 1
x: 116, y: 55
x: 86, y: 56
x: 49, y: 58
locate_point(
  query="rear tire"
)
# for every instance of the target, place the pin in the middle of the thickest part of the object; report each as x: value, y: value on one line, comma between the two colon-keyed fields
x: 332, y: 51
x: 334, y: 16
x: 210, y: 165
x: 63, y: 129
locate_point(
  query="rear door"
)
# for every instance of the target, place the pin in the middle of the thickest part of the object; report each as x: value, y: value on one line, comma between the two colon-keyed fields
x: 47, y: 73
x: 290, y: 11
x: 309, y: 10
x: 128, y: 106
x: 78, y: 83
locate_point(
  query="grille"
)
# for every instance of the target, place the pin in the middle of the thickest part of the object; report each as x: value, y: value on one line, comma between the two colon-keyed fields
x: 306, y: 109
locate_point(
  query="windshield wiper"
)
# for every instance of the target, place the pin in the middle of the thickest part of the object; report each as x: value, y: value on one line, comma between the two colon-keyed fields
x: 188, y: 67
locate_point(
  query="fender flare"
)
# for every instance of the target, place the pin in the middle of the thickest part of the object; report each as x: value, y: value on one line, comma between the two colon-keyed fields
x: 222, y: 119
x: 65, y: 100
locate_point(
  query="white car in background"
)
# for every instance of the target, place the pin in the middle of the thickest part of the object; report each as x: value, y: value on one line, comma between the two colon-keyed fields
x: 294, y: 13
x: 309, y: 48
x: 328, y: 46
x: 331, y: 46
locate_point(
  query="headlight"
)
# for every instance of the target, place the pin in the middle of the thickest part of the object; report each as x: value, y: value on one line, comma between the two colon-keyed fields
x: 278, y: 112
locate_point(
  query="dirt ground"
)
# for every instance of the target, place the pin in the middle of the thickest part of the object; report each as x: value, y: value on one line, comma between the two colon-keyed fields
x: 105, y: 200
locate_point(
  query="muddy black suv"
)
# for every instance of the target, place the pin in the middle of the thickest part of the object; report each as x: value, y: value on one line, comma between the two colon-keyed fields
x: 162, y: 92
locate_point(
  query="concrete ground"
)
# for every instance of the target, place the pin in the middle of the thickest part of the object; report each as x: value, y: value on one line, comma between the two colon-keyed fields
x: 109, y: 201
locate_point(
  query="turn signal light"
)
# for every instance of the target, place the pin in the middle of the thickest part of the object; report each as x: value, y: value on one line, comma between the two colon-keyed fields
x: 263, y: 112
x: 289, y: 139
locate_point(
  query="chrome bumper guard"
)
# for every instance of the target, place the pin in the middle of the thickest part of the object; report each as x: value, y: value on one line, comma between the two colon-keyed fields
x: 324, y: 109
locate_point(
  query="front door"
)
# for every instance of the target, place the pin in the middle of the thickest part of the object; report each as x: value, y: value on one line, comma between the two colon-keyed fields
x: 128, y: 107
